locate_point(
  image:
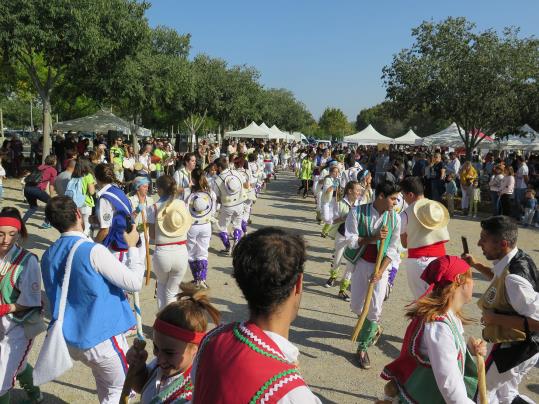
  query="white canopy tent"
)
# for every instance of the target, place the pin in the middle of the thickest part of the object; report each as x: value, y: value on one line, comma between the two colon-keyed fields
x: 100, y: 122
x: 277, y: 134
x: 518, y: 142
x: 253, y: 131
x: 408, y: 138
x: 448, y: 137
x: 368, y: 136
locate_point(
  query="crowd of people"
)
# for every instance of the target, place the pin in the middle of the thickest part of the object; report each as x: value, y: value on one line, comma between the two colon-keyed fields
x: 383, y: 209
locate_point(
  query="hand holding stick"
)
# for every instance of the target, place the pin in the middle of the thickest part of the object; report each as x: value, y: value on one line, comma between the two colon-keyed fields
x: 147, y: 245
x: 479, y: 348
x: 138, y: 345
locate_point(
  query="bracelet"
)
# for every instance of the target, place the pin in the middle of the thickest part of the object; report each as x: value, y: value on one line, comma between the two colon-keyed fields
x: 5, y: 309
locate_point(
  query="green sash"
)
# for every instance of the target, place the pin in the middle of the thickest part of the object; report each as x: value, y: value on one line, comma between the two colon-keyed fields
x: 364, y: 230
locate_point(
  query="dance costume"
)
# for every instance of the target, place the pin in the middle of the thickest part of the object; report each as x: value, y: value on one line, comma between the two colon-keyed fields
x: 512, y: 353
x: 160, y: 389
x: 266, y: 361
x: 364, y: 221
x: 434, y: 365
x: 98, y: 314
x: 201, y: 205
x: 230, y: 185
x: 20, y: 283
x: 138, y: 208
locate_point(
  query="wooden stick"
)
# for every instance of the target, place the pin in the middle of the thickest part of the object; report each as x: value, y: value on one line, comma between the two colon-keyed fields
x: 481, y: 380
x: 147, y: 245
x: 370, y: 291
x: 126, y: 391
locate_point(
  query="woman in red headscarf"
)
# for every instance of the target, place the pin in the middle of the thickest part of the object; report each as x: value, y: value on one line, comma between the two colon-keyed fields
x: 177, y: 332
x: 20, y: 306
x: 435, y: 364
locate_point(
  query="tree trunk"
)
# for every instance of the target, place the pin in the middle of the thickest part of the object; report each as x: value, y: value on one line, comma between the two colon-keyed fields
x: 47, y: 125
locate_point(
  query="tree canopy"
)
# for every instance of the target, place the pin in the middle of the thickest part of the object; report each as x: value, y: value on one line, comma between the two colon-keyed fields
x: 455, y: 73
x: 334, y: 123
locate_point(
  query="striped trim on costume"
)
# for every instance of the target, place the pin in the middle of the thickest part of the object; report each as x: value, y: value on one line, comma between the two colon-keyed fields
x: 120, y: 353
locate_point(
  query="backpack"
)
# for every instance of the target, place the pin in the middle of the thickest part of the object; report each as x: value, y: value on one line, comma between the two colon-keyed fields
x: 74, y: 191
x: 34, y: 178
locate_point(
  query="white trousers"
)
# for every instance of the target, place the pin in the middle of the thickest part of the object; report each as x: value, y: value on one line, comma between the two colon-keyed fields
x: 198, y: 241
x: 414, y: 268
x: 14, y: 349
x: 340, y: 246
x: 108, y: 364
x: 361, y: 276
x: 170, y: 265
x: 247, y: 206
x: 86, y: 212
x: 230, y: 215
x: 503, y: 387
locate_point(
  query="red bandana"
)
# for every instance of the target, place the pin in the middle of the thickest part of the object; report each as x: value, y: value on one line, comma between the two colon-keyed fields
x: 177, y: 332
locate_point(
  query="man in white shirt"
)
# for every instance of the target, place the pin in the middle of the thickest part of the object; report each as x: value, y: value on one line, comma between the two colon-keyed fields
x: 453, y: 167
x: 521, y: 184
x: 268, y: 268
x: 513, y: 291
x: 98, y: 314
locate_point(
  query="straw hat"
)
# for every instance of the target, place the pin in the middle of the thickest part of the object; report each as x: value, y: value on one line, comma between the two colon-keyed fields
x: 200, y: 204
x: 138, y: 166
x: 431, y: 214
x: 174, y: 220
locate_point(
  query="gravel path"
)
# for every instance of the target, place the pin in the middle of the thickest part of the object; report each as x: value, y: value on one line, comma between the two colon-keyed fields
x: 324, y: 325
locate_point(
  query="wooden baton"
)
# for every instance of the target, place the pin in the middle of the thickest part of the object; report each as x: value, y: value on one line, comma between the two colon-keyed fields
x: 147, y: 245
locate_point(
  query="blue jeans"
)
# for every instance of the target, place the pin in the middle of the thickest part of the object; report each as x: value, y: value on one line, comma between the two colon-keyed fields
x: 32, y: 195
x: 520, y: 194
x: 495, y: 199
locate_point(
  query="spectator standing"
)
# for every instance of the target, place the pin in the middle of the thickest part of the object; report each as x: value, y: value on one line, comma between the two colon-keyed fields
x: 506, y: 191
x: 468, y: 175
x: 60, y: 184
x: 453, y: 165
x: 495, y: 186
x: 530, y: 206
x: 450, y: 193
x: 521, y: 184
x: 16, y: 155
x: 437, y: 177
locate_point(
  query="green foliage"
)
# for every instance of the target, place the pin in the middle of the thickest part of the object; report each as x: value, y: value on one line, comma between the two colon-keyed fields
x: 334, y: 123
x: 454, y: 73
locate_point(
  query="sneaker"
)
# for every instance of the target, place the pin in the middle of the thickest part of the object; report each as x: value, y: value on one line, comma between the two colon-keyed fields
x: 364, y: 360
x: 204, y: 285
x: 330, y: 283
x: 45, y: 226
x: 344, y: 296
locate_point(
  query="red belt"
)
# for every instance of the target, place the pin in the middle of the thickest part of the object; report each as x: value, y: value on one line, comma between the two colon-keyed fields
x: 268, y: 161
x: 116, y: 249
x: 370, y: 253
x: 174, y: 243
x: 432, y: 250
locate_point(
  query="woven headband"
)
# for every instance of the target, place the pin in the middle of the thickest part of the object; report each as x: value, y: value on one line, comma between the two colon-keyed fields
x: 178, y: 333
x: 10, y: 221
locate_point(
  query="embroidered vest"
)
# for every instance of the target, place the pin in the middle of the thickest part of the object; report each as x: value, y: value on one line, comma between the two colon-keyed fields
x: 9, y: 275
x: 122, y: 209
x: 364, y: 229
x: 239, y: 363
x: 179, y: 391
x: 412, y: 372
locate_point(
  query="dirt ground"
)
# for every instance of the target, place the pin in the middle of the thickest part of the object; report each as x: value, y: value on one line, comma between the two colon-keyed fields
x: 324, y: 325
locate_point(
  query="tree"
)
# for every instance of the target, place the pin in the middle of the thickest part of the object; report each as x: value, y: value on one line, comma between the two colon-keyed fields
x: 334, y: 122
x: 79, y: 41
x: 472, y: 78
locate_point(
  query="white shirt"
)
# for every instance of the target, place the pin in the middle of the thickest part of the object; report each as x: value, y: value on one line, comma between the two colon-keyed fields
x: 438, y: 343
x: 105, y: 210
x: 520, y: 293
x: 352, y: 235
x: 299, y: 395
x: 453, y: 166
x: 520, y: 174
x: 127, y: 276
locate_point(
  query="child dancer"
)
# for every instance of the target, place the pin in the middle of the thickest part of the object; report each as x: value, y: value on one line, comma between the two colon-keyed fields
x: 329, y: 198
x: 475, y: 199
x: 200, y: 200
x: 352, y: 194
x: 177, y: 332
x: 435, y: 364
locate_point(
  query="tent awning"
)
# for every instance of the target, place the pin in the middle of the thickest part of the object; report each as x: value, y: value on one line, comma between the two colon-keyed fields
x: 253, y: 131
x: 408, y: 138
x: 100, y: 122
x: 448, y: 137
x: 368, y: 136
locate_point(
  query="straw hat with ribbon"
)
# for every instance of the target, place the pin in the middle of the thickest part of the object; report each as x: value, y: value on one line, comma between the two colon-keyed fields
x: 174, y: 220
x: 200, y: 205
x: 233, y: 184
x: 428, y: 224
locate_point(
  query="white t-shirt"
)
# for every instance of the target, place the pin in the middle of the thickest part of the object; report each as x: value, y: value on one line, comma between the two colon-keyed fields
x: 519, y: 177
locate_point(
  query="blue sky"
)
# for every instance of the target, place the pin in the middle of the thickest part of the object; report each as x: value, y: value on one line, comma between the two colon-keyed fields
x: 329, y: 53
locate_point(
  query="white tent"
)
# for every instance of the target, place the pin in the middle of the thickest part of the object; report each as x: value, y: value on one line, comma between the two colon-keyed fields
x: 408, y: 138
x: 368, y: 136
x: 448, y: 137
x: 276, y: 133
x: 518, y: 142
x: 100, y: 122
x: 253, y: 131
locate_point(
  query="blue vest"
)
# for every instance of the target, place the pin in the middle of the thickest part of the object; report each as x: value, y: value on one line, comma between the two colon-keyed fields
x: 115, y: 237
x: 96, y: 310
